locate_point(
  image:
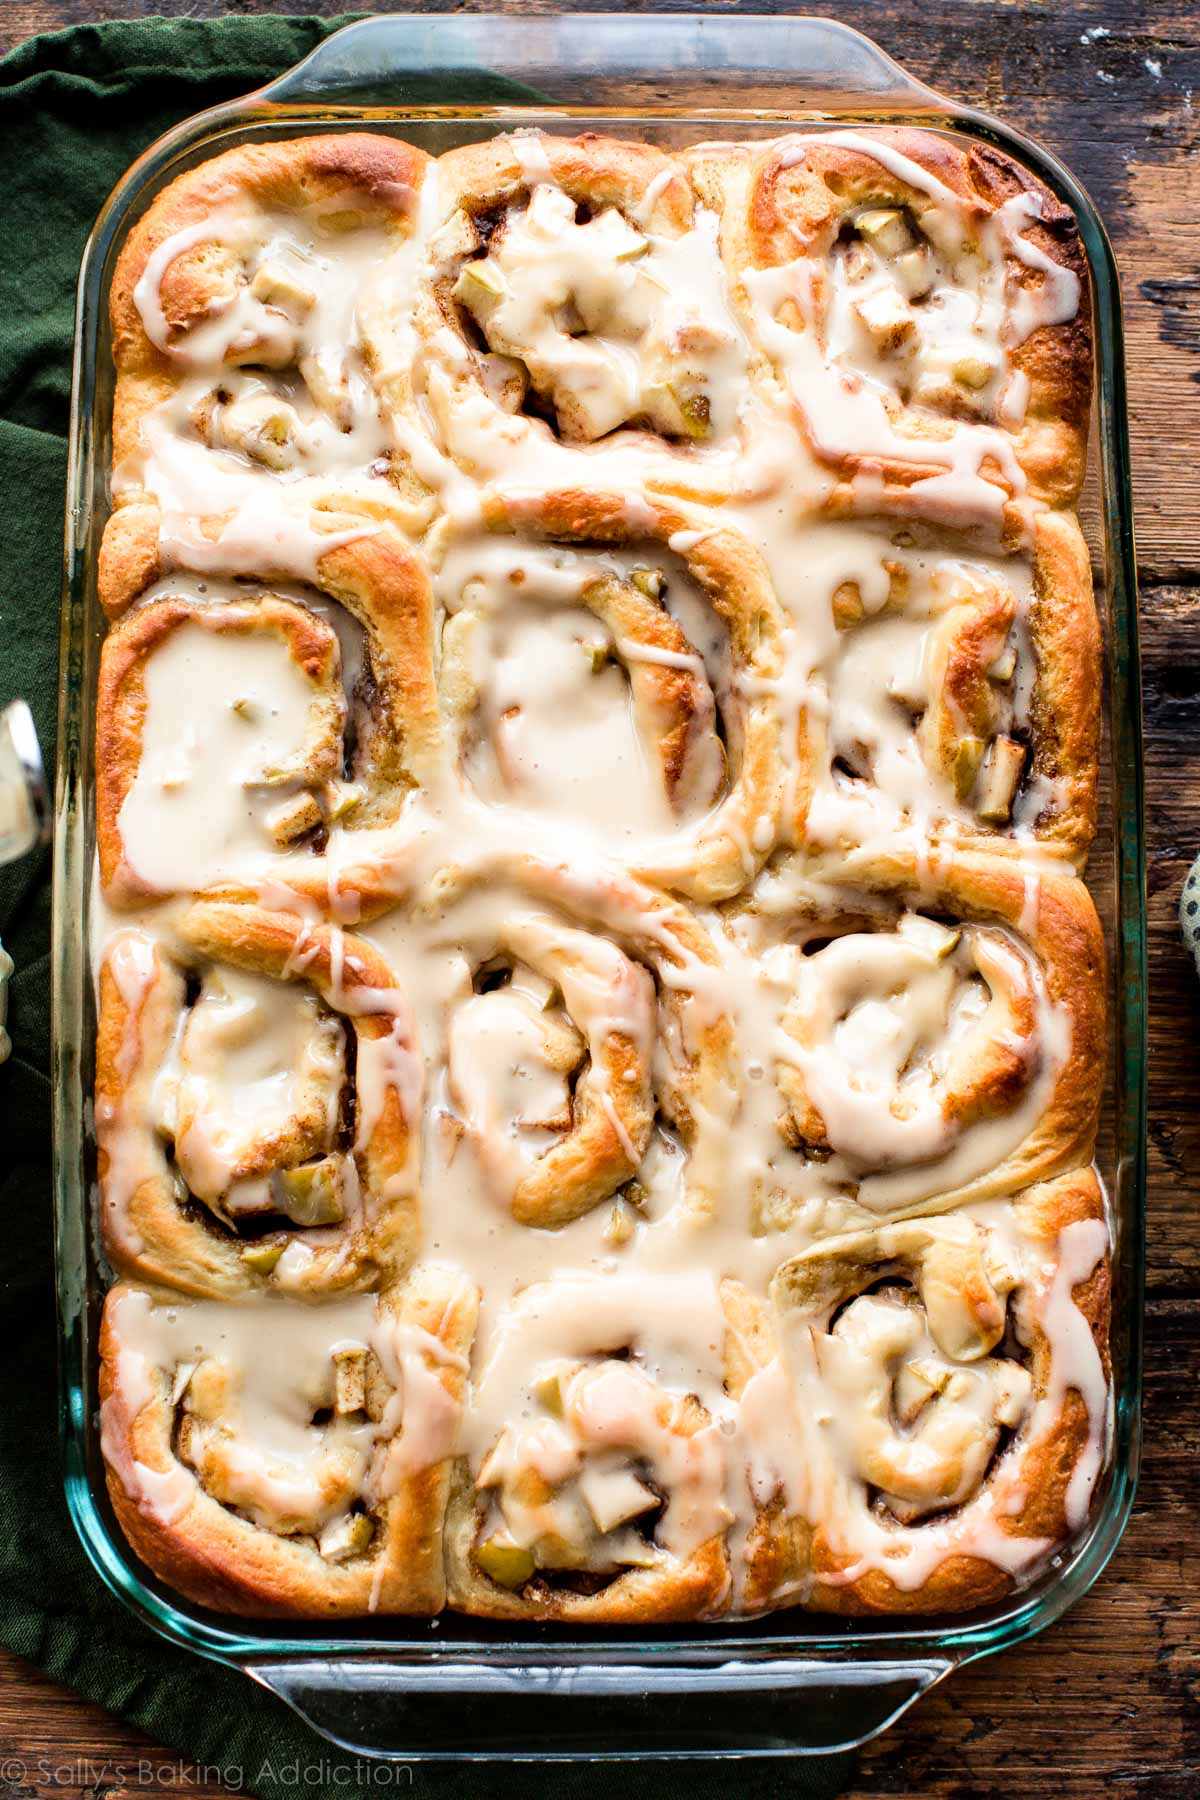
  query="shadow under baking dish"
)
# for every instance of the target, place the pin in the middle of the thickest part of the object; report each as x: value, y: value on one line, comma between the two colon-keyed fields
x: 782, y: 1685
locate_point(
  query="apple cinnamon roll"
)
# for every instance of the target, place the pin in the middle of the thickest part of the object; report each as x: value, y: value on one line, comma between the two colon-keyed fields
x: 261, y: 682
x: 570, y: 1045
x: 242, y: 373
x: 683, y: 627
x: 234, y: 726
x: 925, y: 305
x: 271, y: 1458
x: 929, y: 1403
x: 958, y: 698
x: 572, y: 299
x: 594, y: 1486
x: 258, y: 1093
x: 937, y: 1041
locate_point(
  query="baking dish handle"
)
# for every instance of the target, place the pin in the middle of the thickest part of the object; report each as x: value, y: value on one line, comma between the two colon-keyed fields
x: 394, y: 1707
x: 814, y: 66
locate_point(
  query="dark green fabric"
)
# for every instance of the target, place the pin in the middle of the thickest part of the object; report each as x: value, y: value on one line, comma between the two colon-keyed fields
x: 75, y: 108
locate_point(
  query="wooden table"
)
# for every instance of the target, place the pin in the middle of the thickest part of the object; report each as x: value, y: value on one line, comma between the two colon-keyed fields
x: 1105, y: 1703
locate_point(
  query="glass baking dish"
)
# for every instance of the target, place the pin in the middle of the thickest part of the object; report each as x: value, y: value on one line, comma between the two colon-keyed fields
x: 792, y: 1682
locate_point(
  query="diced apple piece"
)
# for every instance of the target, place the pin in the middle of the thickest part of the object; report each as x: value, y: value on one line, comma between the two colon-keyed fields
x: 964, y: 771
x: 277, y: 286
x: 614, y: 1496
x: 549, y: 1389
x: 972, y: 371
x: 938, y: 940
x: 326, y: 379
x: 258, y: 425
x: 494, y: 1467
x: 343, y: 219
x: 480, y: 288
x: 916, y: 1384
x: 261, y: 1257
x: 886, y: 318
x: 346, y: 1537
x: 648, y: 582
x: 1014, y: 1401
x: 505, y: 379
x: 592, y: 392
x: 457, y: 237
x: 998, y: 784
x: 616, y: 236
x: 550, y: 210
x: 341, y: 799
x: 310, y: 1194
x: 349, y: 1380
x: 913, y: 272
x: 1005, y: 665
x: 848, y: 608
x: 677, y: 412
x: 886, y: 229
x: 508, y: 1565
x: 292, y: 818
x: 619, y: 1226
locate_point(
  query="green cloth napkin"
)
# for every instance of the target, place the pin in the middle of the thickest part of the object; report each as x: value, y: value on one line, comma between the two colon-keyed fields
x: 75, y: 108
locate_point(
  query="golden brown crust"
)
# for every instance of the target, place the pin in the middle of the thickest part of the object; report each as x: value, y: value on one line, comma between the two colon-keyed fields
x: 696, y: 1588
x: 1065, y: 632
x: 998, y: 1273
x: 659, y: 939
x: 592, y: 169
x: 481, y: 188
x: 968, y: 716
x: 372, y: 571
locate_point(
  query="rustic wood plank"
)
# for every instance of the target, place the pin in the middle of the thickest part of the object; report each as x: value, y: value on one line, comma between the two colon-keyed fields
x: 1103, y: 1704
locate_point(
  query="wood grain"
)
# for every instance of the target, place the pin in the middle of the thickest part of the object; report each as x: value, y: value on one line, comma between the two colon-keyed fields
x: 1105, y: 1703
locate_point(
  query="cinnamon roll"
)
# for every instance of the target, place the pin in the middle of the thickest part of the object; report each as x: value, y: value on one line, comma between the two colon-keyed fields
x: 929, y: 1403
x: 258, y: 1093
x: 242, y: 375
x: 952, y: 697
x: 596, y: 1491
x: 736, y: 777
x: 571, y: 300
x: 569, y: 1050
x: 924, y: 303
x: 270, y: 672
x: 938, y: 1041
x: 272, y: 1458
x: 306, y: 718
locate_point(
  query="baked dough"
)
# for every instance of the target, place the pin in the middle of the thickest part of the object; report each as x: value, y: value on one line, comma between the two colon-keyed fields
x: 600, y: 1021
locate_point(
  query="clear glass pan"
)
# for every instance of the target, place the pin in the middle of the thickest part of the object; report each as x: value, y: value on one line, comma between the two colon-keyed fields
x: 786, y: 1684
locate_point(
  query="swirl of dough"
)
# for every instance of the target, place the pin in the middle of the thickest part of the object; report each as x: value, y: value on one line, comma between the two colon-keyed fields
x: 272, y: 1457
x: 594, y: 1487
x: 240, y: 365
x: 727, y: 844
x: 925, y: 306
x: 926, y: 1404
x: 241, y: 1147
